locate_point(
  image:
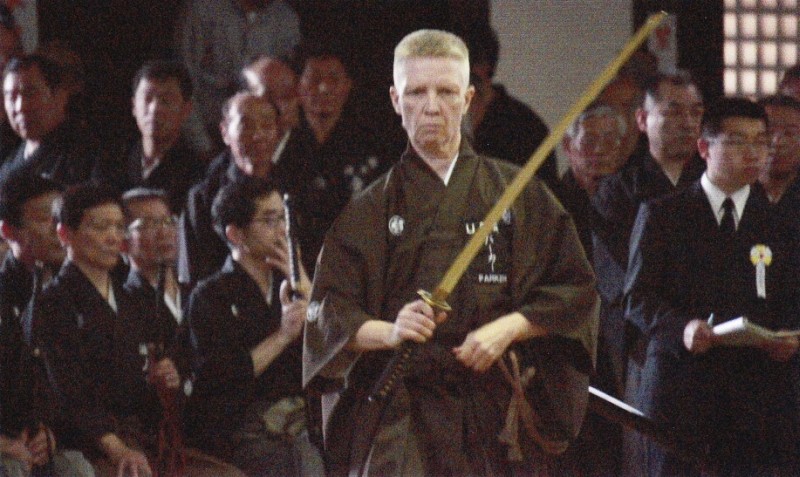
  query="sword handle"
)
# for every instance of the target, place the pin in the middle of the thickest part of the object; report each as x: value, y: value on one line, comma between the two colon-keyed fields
x: 397, y: 368
x: 294, y: 263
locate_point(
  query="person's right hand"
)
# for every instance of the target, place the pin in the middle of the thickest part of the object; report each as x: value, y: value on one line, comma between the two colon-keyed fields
x: 416, y: 321
x: 132, y: 463
x: 698, y: 337
x: 17, y: 449
x: 293, y: 313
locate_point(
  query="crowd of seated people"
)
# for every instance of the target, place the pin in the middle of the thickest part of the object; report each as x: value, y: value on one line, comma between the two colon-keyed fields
x: 146, y: 321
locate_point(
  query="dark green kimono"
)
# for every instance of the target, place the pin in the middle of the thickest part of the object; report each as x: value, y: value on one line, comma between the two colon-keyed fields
x: 401, y: 235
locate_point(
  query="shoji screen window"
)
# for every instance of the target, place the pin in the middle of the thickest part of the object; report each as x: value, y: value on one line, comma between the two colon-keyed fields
x: 761, y: 38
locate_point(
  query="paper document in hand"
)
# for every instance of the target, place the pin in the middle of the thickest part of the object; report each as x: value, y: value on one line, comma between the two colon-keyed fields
x: 742, y: 332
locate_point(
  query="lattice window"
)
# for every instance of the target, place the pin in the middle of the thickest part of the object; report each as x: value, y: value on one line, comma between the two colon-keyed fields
x: 761, y: 40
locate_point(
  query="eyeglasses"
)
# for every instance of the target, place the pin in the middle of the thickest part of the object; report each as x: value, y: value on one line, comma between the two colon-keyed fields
x: 272, y: 221
x: 153, y: 223
x: 592, y: 142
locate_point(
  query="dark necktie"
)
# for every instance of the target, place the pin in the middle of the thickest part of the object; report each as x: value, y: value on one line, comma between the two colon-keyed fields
x: 727, y: 225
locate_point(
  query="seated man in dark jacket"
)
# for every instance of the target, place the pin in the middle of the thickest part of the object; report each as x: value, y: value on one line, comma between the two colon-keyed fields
x: 152, y: 244
x: 53, y: 145
x: 29, y: 413
x: 158, y: 157
x: 95, y: 340
x: 247, y: 406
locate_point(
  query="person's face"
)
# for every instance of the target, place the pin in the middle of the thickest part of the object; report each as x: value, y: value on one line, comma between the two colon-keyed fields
x: 152, y: 234
x: 97, y: 242
x: 251, y: 131
x: 791, y: 88
x: 278, y: 83
x: 37, y: 238
x: 267, y: 231
x: 33, y: 109
x: 784, y: 127
x: 734, y: 157
x: 324, y: 87
x: 623, y: 95
x: 431, y: 95
x: 672, y: 123
x: 160, y: 109
x: 595, y: 150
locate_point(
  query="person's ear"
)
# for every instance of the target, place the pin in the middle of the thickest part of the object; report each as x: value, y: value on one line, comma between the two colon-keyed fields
x: 223, y: 131
x: 64, y: 234
x: 7, y: 231
x: 468, y: 95
x: 186, y: 110
x: 641, y: 120
x: 233, y: 234
x: 703, y: 145
x: 395, y: 99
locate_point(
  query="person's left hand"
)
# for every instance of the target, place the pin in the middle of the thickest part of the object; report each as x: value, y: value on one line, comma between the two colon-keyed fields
x: 482, y: 347
x: 698, y: 337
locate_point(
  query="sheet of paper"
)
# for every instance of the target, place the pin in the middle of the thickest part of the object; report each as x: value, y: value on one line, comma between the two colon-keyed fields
x: 742, y: 332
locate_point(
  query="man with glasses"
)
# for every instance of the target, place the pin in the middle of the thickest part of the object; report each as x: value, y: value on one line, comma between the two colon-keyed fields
x: 93, y: 335
x: 247, y: 405
x: 90, y: 333
x: 152, y: 249
x: 701, y: 257
x: 592, y: 145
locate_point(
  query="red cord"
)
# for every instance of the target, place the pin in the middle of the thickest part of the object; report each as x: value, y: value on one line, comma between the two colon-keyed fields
x: 171, y: 459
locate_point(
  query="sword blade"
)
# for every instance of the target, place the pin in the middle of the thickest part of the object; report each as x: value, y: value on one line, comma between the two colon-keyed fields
x: 515, y: 188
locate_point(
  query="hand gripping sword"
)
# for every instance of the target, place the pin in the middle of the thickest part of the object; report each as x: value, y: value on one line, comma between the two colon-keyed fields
x: 398, y: 365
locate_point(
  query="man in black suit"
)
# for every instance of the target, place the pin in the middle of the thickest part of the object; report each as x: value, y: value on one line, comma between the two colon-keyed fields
x: 780, y: 172
x: 670, y: 118
x: 54, y: 144
x: 710, y: 250
x: 159, y: 157
x: 251, y: 131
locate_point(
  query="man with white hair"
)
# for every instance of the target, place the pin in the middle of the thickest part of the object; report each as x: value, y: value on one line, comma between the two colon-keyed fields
x: 529, y: 289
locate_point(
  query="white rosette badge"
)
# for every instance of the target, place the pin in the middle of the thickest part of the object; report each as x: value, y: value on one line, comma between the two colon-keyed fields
x: 761, y: 257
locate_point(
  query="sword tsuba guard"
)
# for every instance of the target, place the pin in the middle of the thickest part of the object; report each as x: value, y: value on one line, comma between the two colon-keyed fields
x: 436, y: 303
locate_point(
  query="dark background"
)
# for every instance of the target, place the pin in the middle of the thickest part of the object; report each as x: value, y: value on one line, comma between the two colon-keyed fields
x: 114, y: 37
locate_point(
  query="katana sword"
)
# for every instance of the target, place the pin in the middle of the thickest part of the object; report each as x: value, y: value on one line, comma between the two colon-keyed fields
x: 438, y: 299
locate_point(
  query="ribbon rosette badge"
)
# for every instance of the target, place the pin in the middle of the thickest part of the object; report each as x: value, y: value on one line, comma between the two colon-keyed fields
x: 761, y: 257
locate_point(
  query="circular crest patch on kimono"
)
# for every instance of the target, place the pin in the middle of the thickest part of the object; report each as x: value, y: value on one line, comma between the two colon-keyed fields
x: 396, y: 225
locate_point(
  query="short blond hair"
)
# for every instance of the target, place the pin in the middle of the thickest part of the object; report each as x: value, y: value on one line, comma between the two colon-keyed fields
x: 432, y: 43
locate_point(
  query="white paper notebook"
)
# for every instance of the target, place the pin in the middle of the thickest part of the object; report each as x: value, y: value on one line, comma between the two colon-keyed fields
x: 742, y: 332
